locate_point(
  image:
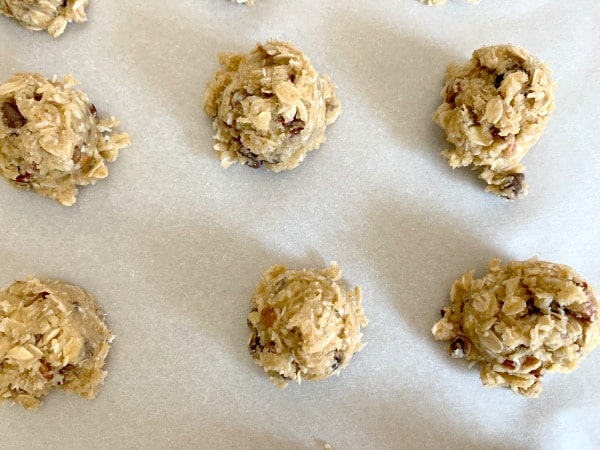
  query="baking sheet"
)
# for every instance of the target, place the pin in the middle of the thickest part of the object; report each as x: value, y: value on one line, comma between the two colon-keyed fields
x: 172, y: 245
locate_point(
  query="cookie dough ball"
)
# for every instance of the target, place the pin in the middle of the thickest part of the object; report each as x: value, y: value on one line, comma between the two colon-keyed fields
x: 305, y: 324
x: 269, y: 107
x: 495, y: 108
x: 519, y: 321
x: 50, y: 15
x: 441, y: 2
x: 52, y: 335
x: 51, y: 140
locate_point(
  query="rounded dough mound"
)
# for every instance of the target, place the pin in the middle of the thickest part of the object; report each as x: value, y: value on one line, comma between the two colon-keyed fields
x: 50, y: 138
x: 495, y: 108
x: 52, y: 335
x: 269, y: 107
x: 50, y: 15
x: 305, y: 324
x: 519, y: 321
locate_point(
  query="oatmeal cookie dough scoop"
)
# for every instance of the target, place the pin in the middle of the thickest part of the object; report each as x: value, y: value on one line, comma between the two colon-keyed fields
x: 51, y: 140
x: 269, y: 107
x: 495, y: 108
x: 305, y: 325
x: 52, y: 335
x: 520, y: 321
x: 50, y: 15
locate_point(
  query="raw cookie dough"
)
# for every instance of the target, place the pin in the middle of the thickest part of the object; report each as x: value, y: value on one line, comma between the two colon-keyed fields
x: 247, y: 2
x: 495, y: 108
x: 305, y: 324
x: 52, y: 335
x: 269, y: 107
x: 51, y: 140
x: 519, y: 321
x: 50, y: 15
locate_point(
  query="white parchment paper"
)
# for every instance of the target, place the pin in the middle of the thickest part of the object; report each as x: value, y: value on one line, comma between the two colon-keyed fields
x: 172, y: 245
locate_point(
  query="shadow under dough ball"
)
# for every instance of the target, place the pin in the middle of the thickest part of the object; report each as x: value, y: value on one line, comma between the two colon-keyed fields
x: 51, y: 140
x: 52, y: 336
x: 495, y: 108
x: 521, y: 320
x: 269, y: 107
x: 50, y: 15
x: 305, y: 324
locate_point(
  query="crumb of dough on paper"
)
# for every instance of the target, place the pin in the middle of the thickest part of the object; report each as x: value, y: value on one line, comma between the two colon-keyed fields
x: 442, y: 2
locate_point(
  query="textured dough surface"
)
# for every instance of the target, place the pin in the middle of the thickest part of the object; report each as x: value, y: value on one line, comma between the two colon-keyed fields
x: 495, y: 108
x: 50, y: 15
x: 305, y: 325
x: 52, y: 335
x: 519, y: 321
x: 441, y: 2
x: 51, y: 140
x: 269, y: 107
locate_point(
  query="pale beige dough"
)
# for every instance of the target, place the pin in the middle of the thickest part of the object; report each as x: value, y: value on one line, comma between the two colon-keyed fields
x: 306, y: 325
x: 441, y: 2
x: 52, y: 335
x: 495, y: 108
x: 50, y: 15
x: 269, y: 107
x: 51, y: 140
x: 520, y: 321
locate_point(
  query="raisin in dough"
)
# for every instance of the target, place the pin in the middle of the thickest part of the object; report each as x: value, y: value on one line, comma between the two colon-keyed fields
x: 495, y: 108
x: 519, y: 321
x: 52, y: 335
x: 305, y: 324
x: 50, y: 15
x: 51, y: 140
x: 269, y: 107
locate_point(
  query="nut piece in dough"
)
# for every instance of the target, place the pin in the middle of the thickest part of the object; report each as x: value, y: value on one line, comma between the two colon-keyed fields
x: 495, y: 108
x: 50, y: 15
x: 51, y: 140
x: 52, y: 335
x: 305, y: 324
x: 243, y: 2
x: 519, y: 321
x: 269, y: 107
x: 442, y: 2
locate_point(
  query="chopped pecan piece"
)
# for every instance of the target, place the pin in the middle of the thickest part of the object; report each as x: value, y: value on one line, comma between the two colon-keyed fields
x: 45, y: 370
x: 268, y: 316
x: 35, y: 298
x: 12, y: 116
